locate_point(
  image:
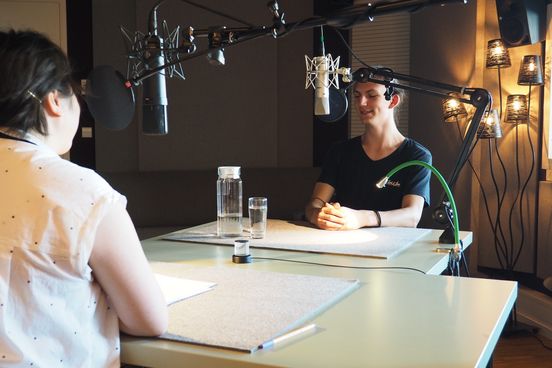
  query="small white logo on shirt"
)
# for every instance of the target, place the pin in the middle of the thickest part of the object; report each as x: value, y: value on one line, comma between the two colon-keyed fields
x: 394, y: 184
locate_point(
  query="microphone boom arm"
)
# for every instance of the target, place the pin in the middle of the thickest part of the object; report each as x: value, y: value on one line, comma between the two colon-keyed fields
x: 345, y: 18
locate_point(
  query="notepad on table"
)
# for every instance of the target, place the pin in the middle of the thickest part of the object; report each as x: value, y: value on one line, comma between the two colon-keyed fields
x: 176, y: 289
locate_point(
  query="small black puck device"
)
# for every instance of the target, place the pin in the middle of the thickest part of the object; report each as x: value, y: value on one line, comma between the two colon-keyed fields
x: 241, y: 251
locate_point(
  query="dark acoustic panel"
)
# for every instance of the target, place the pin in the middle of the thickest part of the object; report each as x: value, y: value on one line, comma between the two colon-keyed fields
x: 521, y: 22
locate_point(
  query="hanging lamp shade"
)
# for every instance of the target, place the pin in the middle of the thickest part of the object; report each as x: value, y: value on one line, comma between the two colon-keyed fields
x: 530, y: 71
x: 516, y: 109
x: 497, y: 54
x: 453, y: 109
x: 490, y: 126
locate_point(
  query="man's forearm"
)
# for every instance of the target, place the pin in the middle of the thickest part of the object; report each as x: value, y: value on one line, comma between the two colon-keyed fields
x: 402, y: 217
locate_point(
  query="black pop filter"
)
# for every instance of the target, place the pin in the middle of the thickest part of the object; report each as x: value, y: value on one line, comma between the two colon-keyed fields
x: 338, y: 106
x: 109, y: 97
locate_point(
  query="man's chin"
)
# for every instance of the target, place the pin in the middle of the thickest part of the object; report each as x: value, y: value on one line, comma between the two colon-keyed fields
x: 367, y: 121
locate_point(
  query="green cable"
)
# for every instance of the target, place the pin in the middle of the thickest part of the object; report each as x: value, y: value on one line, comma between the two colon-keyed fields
x: 323, y: 49
x: 443, y: 183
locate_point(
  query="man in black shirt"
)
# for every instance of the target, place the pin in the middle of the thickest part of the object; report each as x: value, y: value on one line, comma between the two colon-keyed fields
x: 345, y: 196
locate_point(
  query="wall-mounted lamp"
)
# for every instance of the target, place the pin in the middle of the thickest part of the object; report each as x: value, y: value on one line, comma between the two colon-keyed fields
x: 516, y: 109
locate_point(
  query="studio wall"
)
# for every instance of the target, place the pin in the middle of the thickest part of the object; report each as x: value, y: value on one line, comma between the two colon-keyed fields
x: 446, y: 56
x: 252, y: 112
x: 518, y: 229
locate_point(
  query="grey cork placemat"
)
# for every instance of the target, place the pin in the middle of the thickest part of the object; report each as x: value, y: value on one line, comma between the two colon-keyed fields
x: 383, y: 242
x: 247, y: 307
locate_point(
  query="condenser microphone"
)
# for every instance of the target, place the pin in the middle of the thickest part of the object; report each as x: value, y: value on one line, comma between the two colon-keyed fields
x: 321, y: 86
x: 321, y: 74
x: 330, y: 104
x: 322, y: 79
x: 154, y: 102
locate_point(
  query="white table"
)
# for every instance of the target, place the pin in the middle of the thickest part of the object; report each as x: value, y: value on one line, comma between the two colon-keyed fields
x: 396, y: 318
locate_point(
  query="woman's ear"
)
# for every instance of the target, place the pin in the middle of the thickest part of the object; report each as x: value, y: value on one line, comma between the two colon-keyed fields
x: 52, y: 104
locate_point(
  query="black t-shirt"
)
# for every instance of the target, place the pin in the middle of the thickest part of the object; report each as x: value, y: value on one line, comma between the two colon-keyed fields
x: 354, y: 175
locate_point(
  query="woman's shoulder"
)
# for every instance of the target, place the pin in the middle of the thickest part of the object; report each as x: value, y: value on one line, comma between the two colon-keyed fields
x: 63, y: 175
x: 72, y: 170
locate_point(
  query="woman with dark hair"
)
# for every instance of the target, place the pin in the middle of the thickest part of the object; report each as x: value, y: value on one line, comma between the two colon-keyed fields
x: 72, y: 271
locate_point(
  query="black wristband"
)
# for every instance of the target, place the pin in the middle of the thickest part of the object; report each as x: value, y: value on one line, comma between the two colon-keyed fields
x: 378, y: 217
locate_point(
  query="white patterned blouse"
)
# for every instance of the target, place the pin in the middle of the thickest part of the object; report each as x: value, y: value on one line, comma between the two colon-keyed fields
x: 52, y: 311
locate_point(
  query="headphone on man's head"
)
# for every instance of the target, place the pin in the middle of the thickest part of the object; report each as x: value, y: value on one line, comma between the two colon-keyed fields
x: 364, y: 75
x: 389, y: 92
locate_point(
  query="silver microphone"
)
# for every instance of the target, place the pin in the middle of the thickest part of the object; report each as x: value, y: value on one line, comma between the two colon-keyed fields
x: 322, y: 73
x: 321, y: 86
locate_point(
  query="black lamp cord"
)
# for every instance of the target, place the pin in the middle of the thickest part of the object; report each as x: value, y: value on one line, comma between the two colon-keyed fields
x: 520, y: 193
x: 339, y: 266
x: 500, y: 246
x: 500, y: 197
x: 484, y: 195
x: 522, y: 240
x: 498, y: 222
x: 349, y: 47
x: 453, y: 267
x: 496, y: 225
x: 487, y: 210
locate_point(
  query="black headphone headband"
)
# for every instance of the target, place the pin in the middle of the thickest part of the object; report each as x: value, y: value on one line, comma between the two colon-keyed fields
x: 363, y: 75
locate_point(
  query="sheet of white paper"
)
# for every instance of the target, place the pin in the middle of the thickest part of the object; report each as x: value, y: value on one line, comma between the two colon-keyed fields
x: 176, y: 289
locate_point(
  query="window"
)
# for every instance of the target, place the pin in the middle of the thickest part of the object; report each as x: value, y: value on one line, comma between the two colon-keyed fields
x: 384, y: 42
x: 547, y: 131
